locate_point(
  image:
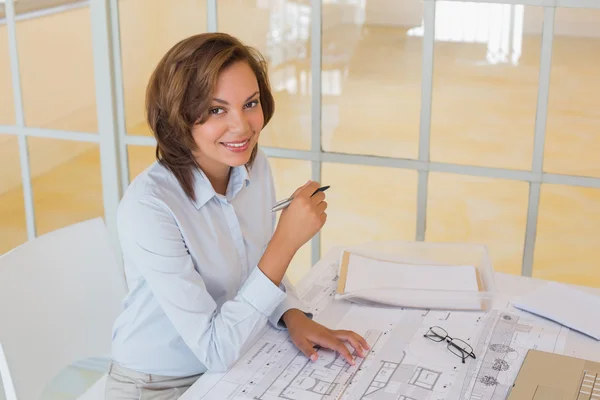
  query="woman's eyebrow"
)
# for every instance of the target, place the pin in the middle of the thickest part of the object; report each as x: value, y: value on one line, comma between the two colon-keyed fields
x: 226, y: 103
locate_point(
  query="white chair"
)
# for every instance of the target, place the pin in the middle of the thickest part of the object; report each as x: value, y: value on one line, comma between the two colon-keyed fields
x: 59, y: 297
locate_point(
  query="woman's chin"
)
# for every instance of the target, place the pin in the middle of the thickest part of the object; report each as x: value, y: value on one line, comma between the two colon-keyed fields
x: 237, y: 157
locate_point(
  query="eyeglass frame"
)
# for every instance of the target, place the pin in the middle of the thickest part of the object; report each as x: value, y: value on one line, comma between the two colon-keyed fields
x: 450, y: 340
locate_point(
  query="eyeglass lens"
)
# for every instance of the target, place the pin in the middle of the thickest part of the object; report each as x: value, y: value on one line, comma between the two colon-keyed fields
x: 460, y: 348
x: 436, y: 334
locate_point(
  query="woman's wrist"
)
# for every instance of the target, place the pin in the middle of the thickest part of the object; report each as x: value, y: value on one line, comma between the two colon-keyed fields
x: 291, y: 314
x: 282, y: 243
x: 276, y: 259
x: 282, y: 246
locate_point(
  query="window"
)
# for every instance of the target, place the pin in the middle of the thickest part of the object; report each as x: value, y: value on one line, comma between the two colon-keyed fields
x: 24, y: 7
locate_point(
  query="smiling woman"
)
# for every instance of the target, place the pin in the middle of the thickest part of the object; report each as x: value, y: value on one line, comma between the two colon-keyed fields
x: 214, y: 122
x: 204, y: 257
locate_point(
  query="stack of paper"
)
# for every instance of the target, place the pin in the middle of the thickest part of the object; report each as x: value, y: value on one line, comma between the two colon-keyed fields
x: 365, y: 273
x: 365, y: 279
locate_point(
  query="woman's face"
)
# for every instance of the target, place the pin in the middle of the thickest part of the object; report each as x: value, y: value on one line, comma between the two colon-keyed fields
x: 235, y: 119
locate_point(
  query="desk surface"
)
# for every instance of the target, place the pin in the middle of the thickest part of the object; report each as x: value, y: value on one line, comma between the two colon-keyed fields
x: 510, y: 286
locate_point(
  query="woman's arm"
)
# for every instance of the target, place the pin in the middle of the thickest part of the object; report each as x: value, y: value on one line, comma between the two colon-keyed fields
x: 152, y: 243
x: 291, y: 302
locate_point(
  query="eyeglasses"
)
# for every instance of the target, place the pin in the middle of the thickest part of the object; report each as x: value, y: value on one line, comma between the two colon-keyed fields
x: 458, y: 347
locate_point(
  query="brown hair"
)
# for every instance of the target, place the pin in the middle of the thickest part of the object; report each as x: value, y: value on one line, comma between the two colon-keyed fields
x: 179, y: 95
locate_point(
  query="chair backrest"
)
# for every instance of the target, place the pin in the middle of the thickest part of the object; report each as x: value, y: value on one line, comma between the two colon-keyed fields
x: 59, y: 297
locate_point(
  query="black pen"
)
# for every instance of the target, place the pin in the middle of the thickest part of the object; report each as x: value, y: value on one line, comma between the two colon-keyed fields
x: 286, y: 202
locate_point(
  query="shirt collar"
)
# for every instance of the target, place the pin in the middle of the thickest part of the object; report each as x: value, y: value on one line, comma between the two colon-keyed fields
x: 204, y: 191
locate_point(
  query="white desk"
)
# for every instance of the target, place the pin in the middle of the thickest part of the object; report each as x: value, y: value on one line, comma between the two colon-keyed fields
x: 509, y: 286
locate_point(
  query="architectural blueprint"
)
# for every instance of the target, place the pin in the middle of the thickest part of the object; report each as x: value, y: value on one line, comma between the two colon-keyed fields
x: 405, y: 365
x: 401, y: 365
x: 501, y: 348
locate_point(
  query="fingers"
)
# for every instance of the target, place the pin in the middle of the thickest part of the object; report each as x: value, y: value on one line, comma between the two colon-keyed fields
x: 331, y: 342
x: 360, y: 339
x: 308, y: 189
x: 356, y: 341
x: 317, y: 198
x: 323, y: 218
x: 321, y: 207
x: 306, y: 347
x: 363, y: 342
x: 344, y: 352
x: 301, y: 188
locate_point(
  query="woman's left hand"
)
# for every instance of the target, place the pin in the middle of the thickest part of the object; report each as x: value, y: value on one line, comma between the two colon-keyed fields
x: 306, y: 333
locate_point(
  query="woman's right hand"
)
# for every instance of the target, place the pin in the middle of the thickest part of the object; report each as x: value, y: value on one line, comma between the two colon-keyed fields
x: 303, y: 218
x: 298, y: 223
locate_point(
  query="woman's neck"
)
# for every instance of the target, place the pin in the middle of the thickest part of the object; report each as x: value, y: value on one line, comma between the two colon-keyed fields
x: 218, y: 175
x: 216, y: 172
x: 219, y: 180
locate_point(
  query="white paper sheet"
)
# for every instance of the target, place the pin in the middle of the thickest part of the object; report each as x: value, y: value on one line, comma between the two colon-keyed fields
x: 561, y: 303
x: 366, y: 273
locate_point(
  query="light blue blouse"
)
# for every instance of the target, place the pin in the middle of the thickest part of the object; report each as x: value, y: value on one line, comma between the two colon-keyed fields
x: 196, y: 295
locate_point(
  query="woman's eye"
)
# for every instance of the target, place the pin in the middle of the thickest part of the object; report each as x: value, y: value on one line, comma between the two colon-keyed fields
x: 216, y: 111
x: 252, y: 104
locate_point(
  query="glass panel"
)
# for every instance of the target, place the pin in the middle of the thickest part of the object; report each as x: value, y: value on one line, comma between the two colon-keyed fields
x: 149, y: 28
x: 139, y: 158
x: 368, y: 204
x: 280, y: 30
x: 566, y: 246
x: 371, y: 79
x: 7, y: 108
x: 66, y: 179
x: 486, y: 67
x: 572, y: 136
x: 57, y: 70
x: 28, y: 6
x: 13, y: 227
x: 289, y: 175
x: 479, y: 210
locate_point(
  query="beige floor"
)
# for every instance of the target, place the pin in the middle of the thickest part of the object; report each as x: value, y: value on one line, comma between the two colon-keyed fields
x: 483, y: 114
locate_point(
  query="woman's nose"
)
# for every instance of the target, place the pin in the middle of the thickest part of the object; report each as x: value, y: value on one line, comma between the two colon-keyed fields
x: 239, y: 123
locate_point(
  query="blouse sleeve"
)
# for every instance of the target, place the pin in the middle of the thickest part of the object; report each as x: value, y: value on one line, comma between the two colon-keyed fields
x: 152, y: 243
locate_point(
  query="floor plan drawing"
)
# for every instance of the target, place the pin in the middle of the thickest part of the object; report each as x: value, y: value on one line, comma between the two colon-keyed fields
x: 392, y: 378
x: 501, y: 348
x: 402, y: 363
x: 425, y: 378
x: 304, y: 379
x: 405, y: 365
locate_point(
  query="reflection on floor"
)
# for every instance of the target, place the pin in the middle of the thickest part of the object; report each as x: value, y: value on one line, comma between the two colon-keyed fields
x: 367, y: 109
x: 70, y: 383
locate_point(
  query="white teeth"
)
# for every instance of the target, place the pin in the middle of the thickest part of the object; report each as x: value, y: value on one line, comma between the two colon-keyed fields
x: 236, y: 144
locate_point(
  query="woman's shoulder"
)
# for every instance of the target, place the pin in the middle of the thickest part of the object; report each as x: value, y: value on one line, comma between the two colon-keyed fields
x: 149, y: 208
x: 155, y: 184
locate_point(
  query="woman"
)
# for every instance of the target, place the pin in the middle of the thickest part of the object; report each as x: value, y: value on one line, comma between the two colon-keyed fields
x: 204, y: 265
